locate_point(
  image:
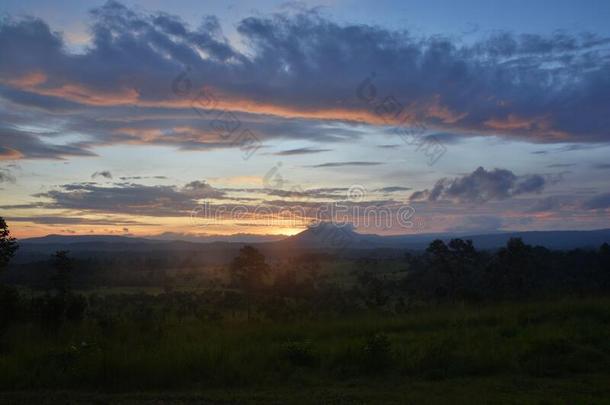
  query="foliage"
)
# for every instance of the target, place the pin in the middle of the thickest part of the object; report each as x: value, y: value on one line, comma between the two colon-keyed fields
x: 8, y: 244
x: 113, y: 349
x: 62, y: 280
x: 249, y: 268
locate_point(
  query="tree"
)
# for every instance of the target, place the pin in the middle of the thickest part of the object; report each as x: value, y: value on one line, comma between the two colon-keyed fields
x: 248, y: 270
x: 8, y: 244
x: 454, y: 263
x: 62, y: 280
x: 464, y: 261
x: 514, y: 268
x: 9, y: 297
x: 438, y: 258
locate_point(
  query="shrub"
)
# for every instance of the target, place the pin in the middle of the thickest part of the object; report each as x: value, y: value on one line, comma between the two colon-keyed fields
x: 299, y: 354
x: 9, y: 305
x: 377, y: 353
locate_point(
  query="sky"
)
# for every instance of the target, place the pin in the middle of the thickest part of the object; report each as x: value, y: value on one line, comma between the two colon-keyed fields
x: 189, y: 118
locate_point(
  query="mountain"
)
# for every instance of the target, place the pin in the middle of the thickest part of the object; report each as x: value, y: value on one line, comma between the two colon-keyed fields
x: 70, y: 239
x: 325, y: 236
x: 330, y: 236
x: 207, y: 238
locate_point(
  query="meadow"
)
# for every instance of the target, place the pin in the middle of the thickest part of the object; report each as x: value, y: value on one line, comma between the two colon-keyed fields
x: 521, y: 324
x: 542, y: 351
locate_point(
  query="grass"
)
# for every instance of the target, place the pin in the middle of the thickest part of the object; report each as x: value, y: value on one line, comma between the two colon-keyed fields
x: 557, y: 351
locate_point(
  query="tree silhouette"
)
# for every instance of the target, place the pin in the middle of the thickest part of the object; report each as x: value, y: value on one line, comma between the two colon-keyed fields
x: 248, y: 270
x: 8, y: 244
x: 440, y: 265
x: 454, y: 263
x: 514, y: 268
x: 62, y: 280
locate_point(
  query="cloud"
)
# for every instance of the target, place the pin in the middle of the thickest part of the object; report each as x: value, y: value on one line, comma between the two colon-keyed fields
x: 553, y: 88
x: 342, y: 164
x: 547, y: 204
x: 479, y: 223
x: 105, y: 174
x: 127, y: 198
x: 64, y: 220
x: 393, y: 189
x: 6, y: 176
x: 443, y: 138
x: 560, y: 165
x: 482, y: 185
x: 17, y: 144
x: 333, y: 193
x: 201, y: 189
x: 301, y: 151
x: 601, y: 166
x: 601, y: 201
x: 124, y: 178
x: 571, y: 147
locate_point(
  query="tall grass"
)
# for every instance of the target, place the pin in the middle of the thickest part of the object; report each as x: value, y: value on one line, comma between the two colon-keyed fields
x: 538, y: 339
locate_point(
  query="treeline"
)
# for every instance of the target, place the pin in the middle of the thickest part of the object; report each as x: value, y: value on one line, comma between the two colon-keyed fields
x: 114, y: 269
x: 307, y: 286
x: 457, y: 271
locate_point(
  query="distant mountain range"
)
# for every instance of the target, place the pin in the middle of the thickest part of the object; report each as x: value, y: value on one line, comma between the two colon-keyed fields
x: 164, y: 237
x: 324, y: 236
x: 331, y: 236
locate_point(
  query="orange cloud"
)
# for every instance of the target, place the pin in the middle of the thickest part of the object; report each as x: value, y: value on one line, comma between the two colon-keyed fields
x: 433, y: 109
x: 26, y: 81
x: 178, y: 134
x: 511, y: 122
x: 10, y: 154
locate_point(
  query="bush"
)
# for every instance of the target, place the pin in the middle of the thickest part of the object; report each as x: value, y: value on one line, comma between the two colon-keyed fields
x: 299, y: 354
x: 558, y: 357
x: 76, y: 305
x: 9, y: 305
x: 377, y: 353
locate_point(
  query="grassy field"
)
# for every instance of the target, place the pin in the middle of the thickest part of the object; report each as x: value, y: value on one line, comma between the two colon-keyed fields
x: 554, y: 351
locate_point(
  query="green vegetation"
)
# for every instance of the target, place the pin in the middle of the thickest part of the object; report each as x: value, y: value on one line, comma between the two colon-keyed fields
x: 494, y: 347
x: 520, y: 325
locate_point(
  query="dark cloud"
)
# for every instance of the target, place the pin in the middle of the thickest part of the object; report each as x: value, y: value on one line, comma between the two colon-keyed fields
x: 16, y: 144
x: 528, y: 184
x: 393, y: 189
x: 342, y: 164
x: 547, y: 204
x: 482, y: 185
x: 333, y: 193
x: 566, y: 148
x: 104, y: 173
x: 142, y: 177
x: 443, y: 138
x: 301, y: 151
x: 601, y: 166
x: 479, y: 223
x: 64, y: 220
x: 601, y: 201
x: 300, y: 66
x: 128, y: 198
x: 560, y: 165
x: 201, y: 189
x: 389, y: 146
